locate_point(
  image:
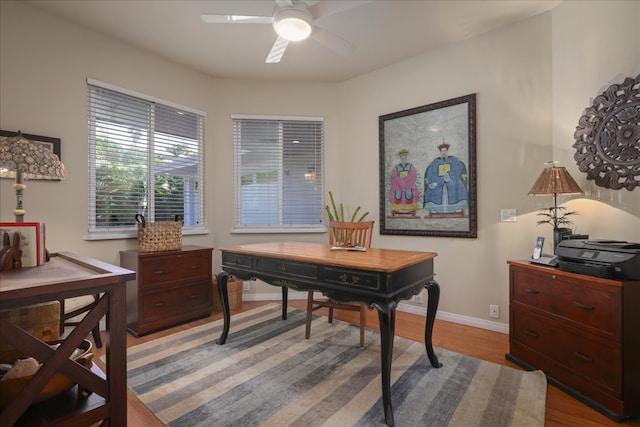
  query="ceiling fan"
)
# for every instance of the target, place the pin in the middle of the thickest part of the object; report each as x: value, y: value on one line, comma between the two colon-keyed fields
x: 295, y: 20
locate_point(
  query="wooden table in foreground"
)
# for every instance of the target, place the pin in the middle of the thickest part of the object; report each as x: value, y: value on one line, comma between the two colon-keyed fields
x: 377, y: 277
x: 68, y: 275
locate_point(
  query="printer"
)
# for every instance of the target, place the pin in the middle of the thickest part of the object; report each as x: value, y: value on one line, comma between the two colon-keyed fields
x: 609, y: 259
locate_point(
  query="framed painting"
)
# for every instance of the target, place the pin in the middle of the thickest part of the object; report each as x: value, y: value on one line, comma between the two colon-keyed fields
x: 47, y: 142
x: 30, y: 235
x: 428, y: 170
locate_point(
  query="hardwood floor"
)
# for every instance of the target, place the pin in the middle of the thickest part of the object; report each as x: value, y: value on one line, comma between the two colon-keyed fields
x: 562, y: 409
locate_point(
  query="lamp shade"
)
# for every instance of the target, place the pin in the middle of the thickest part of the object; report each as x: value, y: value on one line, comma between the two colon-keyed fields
x: 19, y: 155
x: 555, y: 180
x: 21, y: 158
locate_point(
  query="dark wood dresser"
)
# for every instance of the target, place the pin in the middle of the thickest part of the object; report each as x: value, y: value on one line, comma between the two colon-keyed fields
x: 172, y: 287
x: 582, y: 331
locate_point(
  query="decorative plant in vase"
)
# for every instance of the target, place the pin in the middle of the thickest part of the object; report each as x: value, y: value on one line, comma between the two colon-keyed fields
x: 559, y: 219
x: 338, y: 215
x: 341, y: 236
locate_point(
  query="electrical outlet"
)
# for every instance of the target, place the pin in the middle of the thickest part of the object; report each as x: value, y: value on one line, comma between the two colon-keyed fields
x: 246, y: 285
x: 494, y: 311
x: 417, y: 298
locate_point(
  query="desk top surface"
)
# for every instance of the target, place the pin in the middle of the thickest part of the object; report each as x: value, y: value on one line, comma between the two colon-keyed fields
x: 63, y: 268
x: 375, y: 259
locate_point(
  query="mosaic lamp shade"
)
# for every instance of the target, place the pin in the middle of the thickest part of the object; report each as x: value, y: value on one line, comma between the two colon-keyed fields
x: 22, y: 159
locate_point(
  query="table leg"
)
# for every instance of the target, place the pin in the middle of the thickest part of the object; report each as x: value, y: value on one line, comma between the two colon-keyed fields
x: 387, y: 319
x: 223, y: 294
x: 117, y: 356
x: 285, y: 298
x: 433, y: 295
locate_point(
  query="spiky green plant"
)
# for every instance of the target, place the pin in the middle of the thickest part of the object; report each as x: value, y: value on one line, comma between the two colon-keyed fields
x: 338, y: 215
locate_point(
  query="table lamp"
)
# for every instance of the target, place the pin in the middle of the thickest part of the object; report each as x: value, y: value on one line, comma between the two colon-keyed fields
x: 22, y: 159
x: 552, y: 181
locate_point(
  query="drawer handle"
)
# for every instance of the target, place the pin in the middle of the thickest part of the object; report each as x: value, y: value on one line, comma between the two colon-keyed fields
x: 195, y: 266
x: 531, y: 333
x: 195, y: 296
x: 583, y: 357
x: 583, y: 306
x: 158, y: 272
x: 531, y: 291
x: 159, y: 304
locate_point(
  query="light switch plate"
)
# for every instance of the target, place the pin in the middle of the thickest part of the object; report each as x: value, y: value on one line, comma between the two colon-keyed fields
x: 508, y: 215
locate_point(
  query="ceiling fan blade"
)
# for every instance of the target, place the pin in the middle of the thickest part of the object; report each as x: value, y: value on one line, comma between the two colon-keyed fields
x: 333, y: 42
x: 277, y: 51
x: 236, y: 19
x: 327, y: 8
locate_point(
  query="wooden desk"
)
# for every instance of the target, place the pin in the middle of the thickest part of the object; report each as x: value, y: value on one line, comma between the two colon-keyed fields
x: 377, y: 277
x: 68, y: 275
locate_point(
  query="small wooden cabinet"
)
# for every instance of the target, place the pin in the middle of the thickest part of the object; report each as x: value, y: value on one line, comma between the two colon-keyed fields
x: 582, y: 331
x: 172, y: 287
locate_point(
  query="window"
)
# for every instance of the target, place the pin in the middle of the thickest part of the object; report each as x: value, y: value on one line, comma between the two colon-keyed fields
x: 145, y: 157
x: 278, y: 173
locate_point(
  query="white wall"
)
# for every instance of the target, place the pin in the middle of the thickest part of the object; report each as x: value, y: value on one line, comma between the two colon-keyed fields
x: 595, y: 45
x: 530, y: 88
x: 510, y: 71
x: 533, y: 80
x: 45, y: 62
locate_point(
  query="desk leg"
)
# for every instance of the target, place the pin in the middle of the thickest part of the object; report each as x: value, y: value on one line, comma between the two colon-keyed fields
x: 223, y: 294
x: 285, y: 299
x: 387, y: 319
x: 117, y: 356
x: 433, y: 295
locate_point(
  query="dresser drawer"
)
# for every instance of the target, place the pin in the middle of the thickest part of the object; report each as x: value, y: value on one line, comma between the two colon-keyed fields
x: 178, y: 300
x: 581, y: 353
x: 587, y: 306
x: 185, y: 266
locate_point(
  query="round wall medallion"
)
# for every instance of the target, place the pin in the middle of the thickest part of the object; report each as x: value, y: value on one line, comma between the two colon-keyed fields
x: 608, y: 137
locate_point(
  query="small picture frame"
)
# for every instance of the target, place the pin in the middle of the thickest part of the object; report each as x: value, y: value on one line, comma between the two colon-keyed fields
x: 31, y: 240
x: 428, y: 170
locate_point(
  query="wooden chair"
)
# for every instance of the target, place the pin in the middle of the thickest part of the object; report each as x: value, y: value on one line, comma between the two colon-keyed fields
x: 65, y: 318
x: 342, y: 234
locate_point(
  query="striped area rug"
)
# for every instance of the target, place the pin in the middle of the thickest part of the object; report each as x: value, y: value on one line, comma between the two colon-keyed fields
x: 267, y: 374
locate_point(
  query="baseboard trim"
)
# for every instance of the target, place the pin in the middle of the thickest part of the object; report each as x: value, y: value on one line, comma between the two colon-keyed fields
x: 502, y: 328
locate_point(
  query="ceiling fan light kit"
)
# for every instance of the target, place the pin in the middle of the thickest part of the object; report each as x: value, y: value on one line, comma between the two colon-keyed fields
x: 294, y: 21
x: 294, y: 24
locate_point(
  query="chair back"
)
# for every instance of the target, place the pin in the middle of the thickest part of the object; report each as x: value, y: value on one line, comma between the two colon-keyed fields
x: 351, y: 233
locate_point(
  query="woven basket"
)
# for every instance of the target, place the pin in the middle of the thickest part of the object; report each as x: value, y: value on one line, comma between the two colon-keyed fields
x: 41, y: 320
x: 159, y: 236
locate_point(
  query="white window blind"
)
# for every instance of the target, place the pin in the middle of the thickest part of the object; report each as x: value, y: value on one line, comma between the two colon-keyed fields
x: 146, y: 158
x: 278, y: 164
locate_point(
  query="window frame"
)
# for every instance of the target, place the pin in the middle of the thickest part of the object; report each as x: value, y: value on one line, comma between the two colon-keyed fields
x: 94, y: 232
x: 238, y: 228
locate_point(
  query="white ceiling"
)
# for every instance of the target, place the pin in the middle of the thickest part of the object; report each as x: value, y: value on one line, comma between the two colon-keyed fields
x: 381, y: 32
